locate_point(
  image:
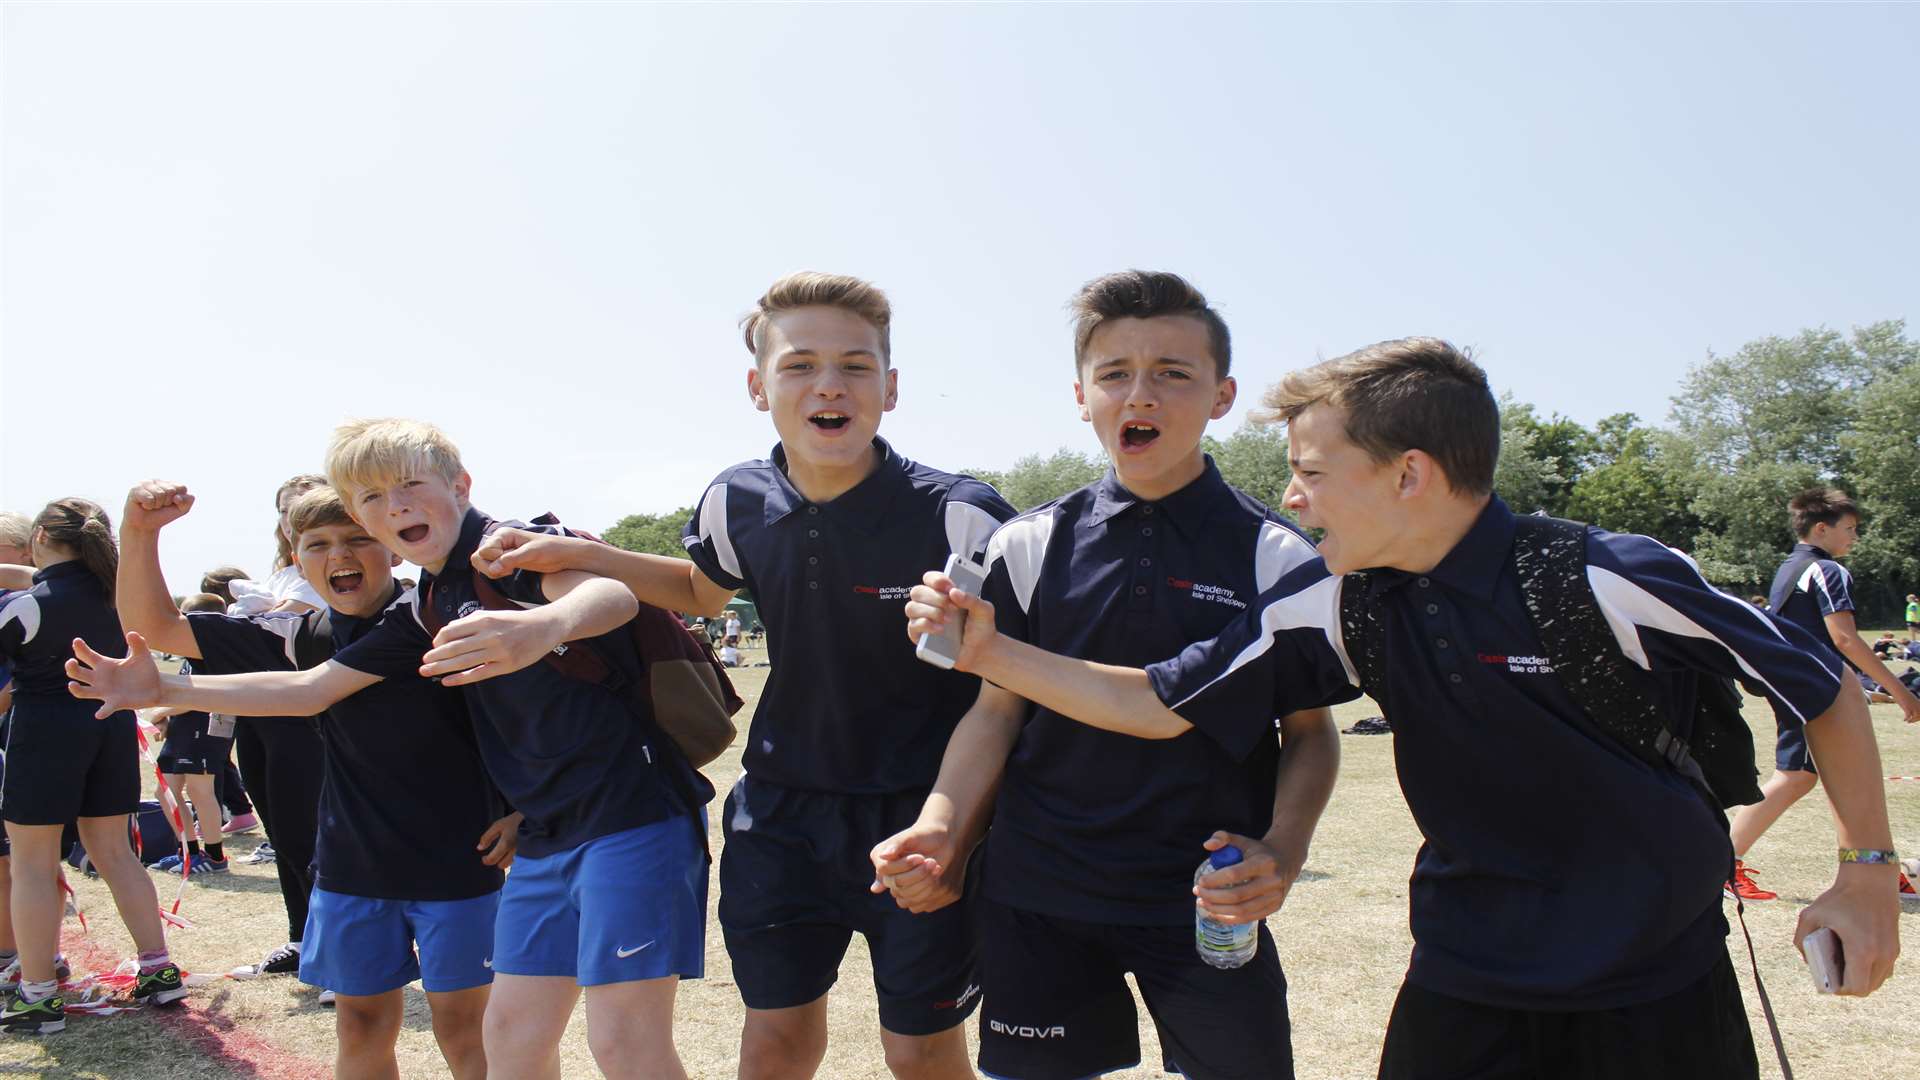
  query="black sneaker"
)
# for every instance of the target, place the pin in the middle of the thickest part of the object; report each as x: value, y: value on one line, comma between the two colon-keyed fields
x: 48, y: 1016
x: 162, y: 987
x: 284, y: 960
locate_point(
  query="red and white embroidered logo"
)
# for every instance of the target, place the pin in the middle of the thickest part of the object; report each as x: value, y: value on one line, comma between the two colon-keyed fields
x: 1215, y: 594
x: 885, y: 592
x: 1519, y: 665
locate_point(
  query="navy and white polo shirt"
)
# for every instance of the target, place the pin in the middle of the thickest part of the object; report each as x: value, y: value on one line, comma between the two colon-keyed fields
x: 848, y: 708
x: 1808, y: 587
x: 1104, y: 827
x: 568, y: 754
x: 38, y: 625
x: 403, y: 794
x: 1559, y: 871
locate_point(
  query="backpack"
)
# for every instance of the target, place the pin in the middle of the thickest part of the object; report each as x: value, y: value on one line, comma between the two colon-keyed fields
x: 681, y: 688
x: 1620, y: 699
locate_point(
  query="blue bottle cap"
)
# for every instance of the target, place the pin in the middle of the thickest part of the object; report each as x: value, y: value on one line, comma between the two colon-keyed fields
x: 1225, y: 857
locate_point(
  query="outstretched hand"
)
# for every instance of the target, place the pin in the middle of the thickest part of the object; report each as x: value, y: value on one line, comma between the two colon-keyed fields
x: 132, y: 683
x: 152, y: 504
x: 936, y: 603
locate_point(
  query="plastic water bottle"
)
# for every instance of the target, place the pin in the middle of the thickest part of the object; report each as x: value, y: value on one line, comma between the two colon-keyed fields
x: 1219, y: 944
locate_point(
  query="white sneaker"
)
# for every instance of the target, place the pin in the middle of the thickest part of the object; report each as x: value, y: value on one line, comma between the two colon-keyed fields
x: 326, y: 998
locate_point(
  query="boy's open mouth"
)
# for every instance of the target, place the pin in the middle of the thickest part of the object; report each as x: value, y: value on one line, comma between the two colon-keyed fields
x: 829, y: 421
x: 1135, y: 435
x: 346, y: 582
x: 413, y: 534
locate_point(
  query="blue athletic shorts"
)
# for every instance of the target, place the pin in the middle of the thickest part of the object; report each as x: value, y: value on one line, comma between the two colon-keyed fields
x: 362, y: 946
x: 619, y: 908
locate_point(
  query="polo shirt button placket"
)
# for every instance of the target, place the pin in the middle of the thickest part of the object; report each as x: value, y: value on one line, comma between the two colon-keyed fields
x: 813, y: 558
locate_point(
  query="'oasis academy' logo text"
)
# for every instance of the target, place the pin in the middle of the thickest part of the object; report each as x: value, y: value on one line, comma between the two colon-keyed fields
x: 1216, y: 594
x: 885, y: 592
x: 1519, y: 665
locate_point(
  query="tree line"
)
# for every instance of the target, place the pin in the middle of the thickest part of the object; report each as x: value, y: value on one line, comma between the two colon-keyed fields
x: 1745, y: 432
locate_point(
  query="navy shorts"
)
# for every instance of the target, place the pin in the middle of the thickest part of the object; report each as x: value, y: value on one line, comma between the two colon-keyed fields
x: 1057, y: 1006
x: 1790, y: 753
x: 1700, y: 1033
x: 624, y: 907
x: 192, y: 748
x: 68, y: 765
x: 362, y: 946
x: 793, y: 892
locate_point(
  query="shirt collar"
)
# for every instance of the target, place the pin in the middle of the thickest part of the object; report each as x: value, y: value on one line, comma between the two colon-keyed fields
x: 1815, y: 550
x: 865, y: 504
x: 1476, y: 562
x: 1188, y: 508
x: 70, y: 568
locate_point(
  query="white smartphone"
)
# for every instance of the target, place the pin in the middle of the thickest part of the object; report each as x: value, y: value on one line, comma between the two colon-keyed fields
x: 1824, y: 960
x: 943, y: 648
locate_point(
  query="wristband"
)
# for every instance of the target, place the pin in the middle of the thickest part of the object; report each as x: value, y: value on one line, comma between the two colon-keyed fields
x: 1868, y: 855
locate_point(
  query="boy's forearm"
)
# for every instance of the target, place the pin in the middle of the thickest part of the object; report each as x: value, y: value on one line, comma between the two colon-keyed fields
x: 140, y: 594
x: 593, y: 607
x: 264, y: 693
x: 656, y: 580
x: 1854, y: 648
x: 1309, y: 765
x: 1844, y: 747
x: 1111, y: 698
x: 970, y: 772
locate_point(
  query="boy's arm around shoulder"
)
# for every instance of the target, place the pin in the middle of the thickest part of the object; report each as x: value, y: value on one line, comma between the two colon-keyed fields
x: 487, y: 644
x: 659, y: 580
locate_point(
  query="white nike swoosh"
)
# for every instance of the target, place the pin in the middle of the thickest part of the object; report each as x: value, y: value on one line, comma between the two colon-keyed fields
x: 487, y: 963
x: 624, y: 953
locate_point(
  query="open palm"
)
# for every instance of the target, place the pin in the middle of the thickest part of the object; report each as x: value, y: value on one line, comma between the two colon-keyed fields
x: 132, y: 683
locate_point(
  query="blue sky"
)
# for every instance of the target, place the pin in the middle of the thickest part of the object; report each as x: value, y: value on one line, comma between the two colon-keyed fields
x: 227, y: 227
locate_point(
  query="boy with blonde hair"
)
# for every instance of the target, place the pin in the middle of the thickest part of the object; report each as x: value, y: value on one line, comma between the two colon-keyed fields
x: 608, y: 892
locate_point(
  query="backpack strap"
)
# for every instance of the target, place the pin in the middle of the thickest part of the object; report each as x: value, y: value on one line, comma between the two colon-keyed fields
x: 1550, y: 563
x: 1363, y: 633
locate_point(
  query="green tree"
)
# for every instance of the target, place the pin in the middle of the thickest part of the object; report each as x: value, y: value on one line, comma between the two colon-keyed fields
x: 655, y: 534
x: 1884, y: 445
x: 1560, y: 449
x: 1036, y: 479
x: 1525, y: 476
x: 1633, y: 486
x: 1254, y: 459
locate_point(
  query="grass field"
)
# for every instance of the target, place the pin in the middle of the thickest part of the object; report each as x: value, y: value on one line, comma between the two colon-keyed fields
x: 1342, y: 937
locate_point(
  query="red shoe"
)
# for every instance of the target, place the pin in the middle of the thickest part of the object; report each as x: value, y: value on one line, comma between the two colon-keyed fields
x: 1741, y: 886
x: 1906, y: 886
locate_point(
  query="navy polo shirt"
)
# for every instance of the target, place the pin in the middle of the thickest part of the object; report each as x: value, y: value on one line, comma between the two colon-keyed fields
x: 1559, y: 871
x: 38, y: 625
x: 848, y: 708
x: 1807, y: 588
x: 1104, y: 827
x: 403, y: 795
x: 568, y: 754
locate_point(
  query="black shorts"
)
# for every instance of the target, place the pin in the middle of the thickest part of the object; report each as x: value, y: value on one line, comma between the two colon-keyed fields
x: 1700, y: 1033
x: 793, y: 892
x: 191, y: 749
x: 1057, y: 1007
x: 65, y: 764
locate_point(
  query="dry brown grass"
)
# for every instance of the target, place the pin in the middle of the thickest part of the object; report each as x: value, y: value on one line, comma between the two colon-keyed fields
x: 1342, y: 937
